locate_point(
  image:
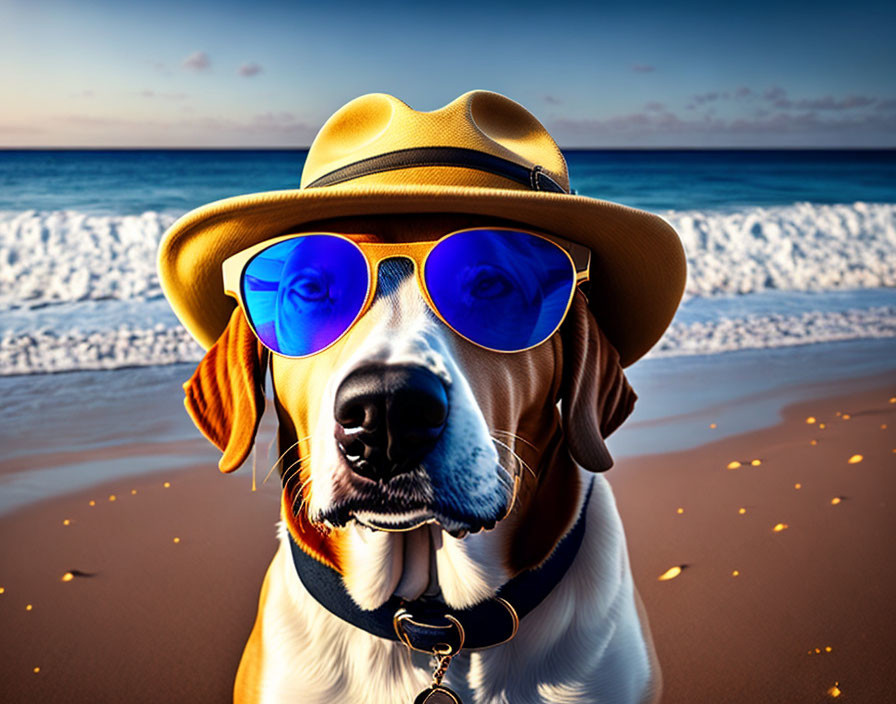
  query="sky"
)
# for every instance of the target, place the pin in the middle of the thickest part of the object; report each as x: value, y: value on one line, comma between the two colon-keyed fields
x: 101, y: 73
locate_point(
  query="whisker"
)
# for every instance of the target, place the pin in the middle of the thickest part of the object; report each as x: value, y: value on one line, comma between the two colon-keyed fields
x: 506, y: 479
x: 291, y: 480
x: 300, y: 494
x: 516, y: 437
x: 516, y: 456
x: 511, y: 486
x: 290, y: 476
x: 280, y: 458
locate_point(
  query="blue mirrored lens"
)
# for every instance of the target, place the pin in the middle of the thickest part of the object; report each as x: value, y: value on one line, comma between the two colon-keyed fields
x: 303, y: 293
x: 502, y: 289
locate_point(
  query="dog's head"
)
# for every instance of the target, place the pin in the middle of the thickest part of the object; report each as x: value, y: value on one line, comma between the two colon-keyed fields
x: 413, y: 460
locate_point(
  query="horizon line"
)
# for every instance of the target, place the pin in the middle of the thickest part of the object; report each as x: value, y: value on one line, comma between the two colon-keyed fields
x: 564, y: 149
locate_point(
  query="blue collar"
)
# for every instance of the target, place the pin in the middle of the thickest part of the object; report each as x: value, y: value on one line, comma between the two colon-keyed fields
x: 429, y: 625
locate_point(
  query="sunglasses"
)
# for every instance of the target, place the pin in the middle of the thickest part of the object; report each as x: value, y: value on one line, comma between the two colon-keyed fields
x: 502, y: 289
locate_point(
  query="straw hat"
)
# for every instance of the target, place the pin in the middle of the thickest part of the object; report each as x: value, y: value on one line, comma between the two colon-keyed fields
x: 482, y: 154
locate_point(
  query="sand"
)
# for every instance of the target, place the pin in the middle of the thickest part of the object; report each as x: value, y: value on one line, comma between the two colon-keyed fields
x: 175, y: 570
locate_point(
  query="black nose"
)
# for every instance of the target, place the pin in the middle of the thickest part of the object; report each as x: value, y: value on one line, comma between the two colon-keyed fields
x: 388, y: 417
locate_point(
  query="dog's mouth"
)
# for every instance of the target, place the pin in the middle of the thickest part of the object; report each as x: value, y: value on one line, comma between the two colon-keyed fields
x: 408, y: 502
x: 404, y: 518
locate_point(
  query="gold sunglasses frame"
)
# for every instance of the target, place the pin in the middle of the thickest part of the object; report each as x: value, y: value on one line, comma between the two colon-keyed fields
x: 375, y: 253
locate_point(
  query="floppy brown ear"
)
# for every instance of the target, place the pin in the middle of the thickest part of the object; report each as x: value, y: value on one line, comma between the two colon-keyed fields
x: 225, y: 395
x: 596, y: 396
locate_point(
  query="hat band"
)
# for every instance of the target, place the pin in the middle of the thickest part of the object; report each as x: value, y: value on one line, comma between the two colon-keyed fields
x: 535, y: 178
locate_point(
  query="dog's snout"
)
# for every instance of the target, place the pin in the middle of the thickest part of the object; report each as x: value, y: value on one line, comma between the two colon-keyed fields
x: 388, y: 417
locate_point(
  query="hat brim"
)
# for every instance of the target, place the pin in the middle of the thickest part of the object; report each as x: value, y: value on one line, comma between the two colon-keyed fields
x: 638, y: 265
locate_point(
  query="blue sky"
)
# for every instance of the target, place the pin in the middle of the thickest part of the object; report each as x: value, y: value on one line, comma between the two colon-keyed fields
x: 201, y: 74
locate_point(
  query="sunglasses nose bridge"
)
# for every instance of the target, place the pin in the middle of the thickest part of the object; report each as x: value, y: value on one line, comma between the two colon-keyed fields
x: 415, y: 258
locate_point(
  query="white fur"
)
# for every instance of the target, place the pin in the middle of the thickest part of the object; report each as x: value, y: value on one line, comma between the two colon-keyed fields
x: 584, y: 643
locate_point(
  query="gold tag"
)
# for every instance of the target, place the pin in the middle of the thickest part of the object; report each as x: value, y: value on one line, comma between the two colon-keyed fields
x: 437, y: 695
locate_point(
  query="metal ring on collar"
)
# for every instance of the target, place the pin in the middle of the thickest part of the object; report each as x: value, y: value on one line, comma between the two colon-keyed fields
x: 403, y: 615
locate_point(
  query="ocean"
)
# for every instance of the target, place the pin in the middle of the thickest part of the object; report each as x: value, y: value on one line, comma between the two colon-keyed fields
x: 784, y: 248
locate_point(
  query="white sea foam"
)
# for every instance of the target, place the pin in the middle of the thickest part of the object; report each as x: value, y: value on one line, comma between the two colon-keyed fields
x: 801, y: 247
x: 776, y: 330
x: 54, y: 257
x: 49, y: 351
x: 81, y: 291
x: 71, y: 256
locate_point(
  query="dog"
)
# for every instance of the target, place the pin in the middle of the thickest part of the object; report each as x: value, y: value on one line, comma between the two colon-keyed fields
x: 514, y: 470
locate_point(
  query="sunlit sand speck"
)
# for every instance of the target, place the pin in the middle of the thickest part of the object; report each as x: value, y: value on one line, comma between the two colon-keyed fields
x: 734, y: 464
x: 835, y: 690
x: 855, y: 459
x: 670, y: 573
x: 68, y: 577
x: 810, y: 420
x: 779, y: 527
x: 836, y: 500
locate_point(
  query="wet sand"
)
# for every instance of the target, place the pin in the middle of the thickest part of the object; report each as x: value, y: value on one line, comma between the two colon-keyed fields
x: 765, y: 615
x: 174, y: 572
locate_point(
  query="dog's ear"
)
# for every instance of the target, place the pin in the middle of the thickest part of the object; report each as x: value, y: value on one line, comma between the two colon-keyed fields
x: 596, y: 396
x: 225, y: 395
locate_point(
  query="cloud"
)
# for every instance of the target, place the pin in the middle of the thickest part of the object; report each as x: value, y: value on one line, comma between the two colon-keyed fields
x: 197, y: 61
x: 654, y: 106
x: 166, y: 129
x: 780, y: 128
x: 249, y: 70
x: 703, y: 98
x: 165, y: 96
x: 643, y: 68
x: 829, y: 102
x: 777, y: 96
x: 551, y: 99
x: 743, y: 92
x: 887, y: 104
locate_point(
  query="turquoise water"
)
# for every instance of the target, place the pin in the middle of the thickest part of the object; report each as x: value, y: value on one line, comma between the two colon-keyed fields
x: 123, y: 182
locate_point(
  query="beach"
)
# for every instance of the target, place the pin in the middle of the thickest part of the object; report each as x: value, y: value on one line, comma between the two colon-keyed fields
x: 130, y: 568
x: 167, y: 562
